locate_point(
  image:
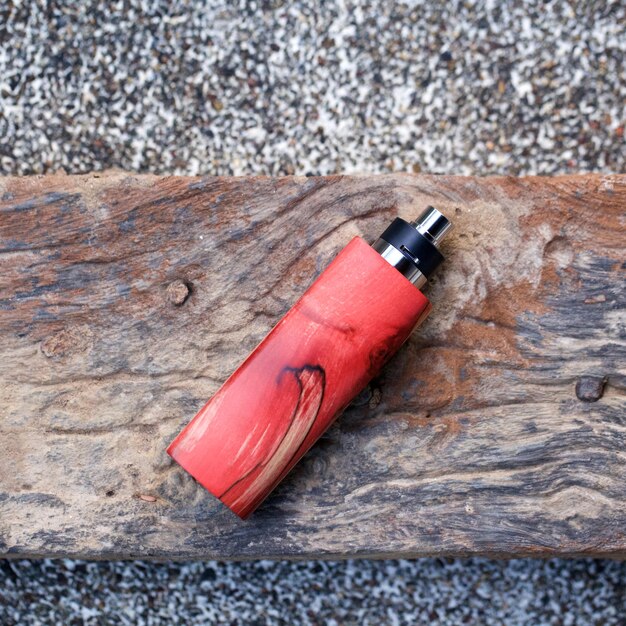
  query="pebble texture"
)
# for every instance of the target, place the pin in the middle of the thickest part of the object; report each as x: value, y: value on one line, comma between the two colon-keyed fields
x: 277, y: 87
x: 349, y: 593
x: 296, y: 87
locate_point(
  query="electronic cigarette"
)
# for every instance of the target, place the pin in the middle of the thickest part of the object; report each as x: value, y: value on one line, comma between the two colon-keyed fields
x: 311, y: 365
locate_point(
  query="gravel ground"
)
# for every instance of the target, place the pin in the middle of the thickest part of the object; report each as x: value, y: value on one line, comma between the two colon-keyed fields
x: 358, y: 593
x: 312, y: 88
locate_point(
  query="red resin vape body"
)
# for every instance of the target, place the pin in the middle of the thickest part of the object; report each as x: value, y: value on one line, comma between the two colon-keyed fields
x: 318, y: 357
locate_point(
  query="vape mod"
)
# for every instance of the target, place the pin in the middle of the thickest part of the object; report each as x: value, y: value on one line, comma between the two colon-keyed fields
x: 320, y: 355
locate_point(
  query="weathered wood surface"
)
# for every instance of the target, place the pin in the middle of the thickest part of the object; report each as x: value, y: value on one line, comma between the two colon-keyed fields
x: 126, y: 301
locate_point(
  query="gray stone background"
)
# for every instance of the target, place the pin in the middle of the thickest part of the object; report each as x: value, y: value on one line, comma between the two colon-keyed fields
x: 277, y: 87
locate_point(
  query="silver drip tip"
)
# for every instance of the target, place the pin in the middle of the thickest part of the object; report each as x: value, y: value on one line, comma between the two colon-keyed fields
x: 433, y: 225
x: 413, y: 248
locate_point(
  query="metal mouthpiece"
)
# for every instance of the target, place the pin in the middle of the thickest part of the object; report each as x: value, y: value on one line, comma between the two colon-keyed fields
x: 433, y: 225
x: 413, y: 248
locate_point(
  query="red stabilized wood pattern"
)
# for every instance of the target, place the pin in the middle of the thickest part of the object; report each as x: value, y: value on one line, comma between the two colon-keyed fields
x: 300, y: 377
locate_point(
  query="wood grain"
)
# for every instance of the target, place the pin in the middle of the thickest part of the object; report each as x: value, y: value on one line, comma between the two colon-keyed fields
x: 498, y: 429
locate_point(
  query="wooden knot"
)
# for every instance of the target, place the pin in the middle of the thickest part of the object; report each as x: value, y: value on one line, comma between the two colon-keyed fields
x: 177, y: 292
x: 590, y: 388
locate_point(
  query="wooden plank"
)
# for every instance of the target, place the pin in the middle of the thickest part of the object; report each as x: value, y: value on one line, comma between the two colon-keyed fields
x: 499, y: 428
